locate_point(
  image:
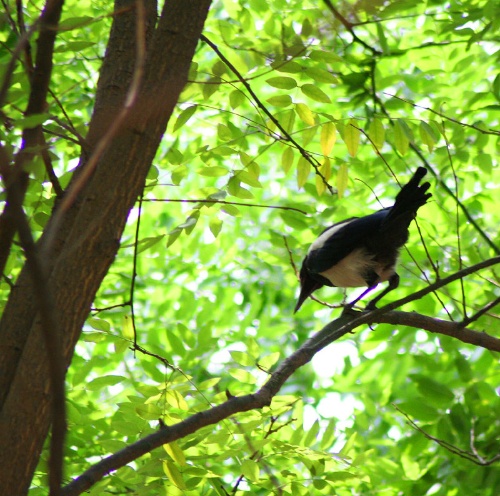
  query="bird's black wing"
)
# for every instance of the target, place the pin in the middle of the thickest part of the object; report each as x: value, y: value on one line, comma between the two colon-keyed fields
x: 328, y: 250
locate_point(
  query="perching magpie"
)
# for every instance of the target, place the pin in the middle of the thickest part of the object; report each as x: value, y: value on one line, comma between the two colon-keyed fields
x: 363, y: 251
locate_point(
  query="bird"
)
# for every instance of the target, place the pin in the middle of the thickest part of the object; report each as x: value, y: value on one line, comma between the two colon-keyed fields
x: 363, y: 251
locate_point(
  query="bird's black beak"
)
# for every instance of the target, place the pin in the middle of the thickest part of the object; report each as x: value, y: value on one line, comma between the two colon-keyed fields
x: 307, y: 286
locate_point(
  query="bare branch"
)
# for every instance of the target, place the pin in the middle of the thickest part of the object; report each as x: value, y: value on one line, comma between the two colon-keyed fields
x: 223, y: 202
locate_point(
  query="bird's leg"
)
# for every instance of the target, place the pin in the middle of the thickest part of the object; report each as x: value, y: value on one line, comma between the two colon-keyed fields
x: 393, y: 284
x: 348, y: 306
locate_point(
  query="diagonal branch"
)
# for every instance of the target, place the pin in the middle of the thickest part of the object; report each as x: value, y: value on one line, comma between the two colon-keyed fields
x: 333, y: 331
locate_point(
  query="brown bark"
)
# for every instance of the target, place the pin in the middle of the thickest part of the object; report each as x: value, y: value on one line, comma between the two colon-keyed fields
x: 88, y: 239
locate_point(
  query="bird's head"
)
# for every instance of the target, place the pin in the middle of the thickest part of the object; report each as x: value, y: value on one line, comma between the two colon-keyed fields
x: 307, y: 285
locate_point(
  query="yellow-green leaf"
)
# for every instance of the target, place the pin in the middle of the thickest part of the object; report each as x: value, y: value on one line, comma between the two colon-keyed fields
x: 351, y: 137
x: 242, y: 358
x: 224, y: 133
x: 376, y: 132
x: 236, y: 98
x: 328, y: 137
x: 172, y: 472
x: 214, y: 171
x: 175, y: 399
x: 305, y: 114
x: 349, y: 445
x: 127, y: 327
x: 326, y: 172
x: 303, y: 170
x: 269, y: 360
x: 427, y: 135
x: 287, y: 158
x: 243, y: 376
x: 175, y: 452
x: 215, y: 226
x: 342, y: 178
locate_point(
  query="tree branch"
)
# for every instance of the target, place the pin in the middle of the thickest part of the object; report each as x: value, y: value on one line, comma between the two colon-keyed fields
x: 455, y: 330
x: 333, y: 331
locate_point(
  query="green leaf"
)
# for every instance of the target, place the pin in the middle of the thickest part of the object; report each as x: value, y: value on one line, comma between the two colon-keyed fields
x: 74, y: 23
x: 401, y: 139
x: 242, y: 358
x: 236, y: 98
x: 419, y: 409
x: 31, y: 121
x: 250, y: 470
x: 284, y: 83
x: 280, y: 100
x: 287, y: 67
x: 104, y: 382
x: 215, y: 225
x: 349, y: 445
x: 326, y: 173
x: 179, y: 174
x: 351, y: 137
x: 427, y: 135
x: 184, y: 116
x: 99, y: 324
x: 213, y: 171
x: 321, y: 75
x: 434, y: 392
x: 315, y: 93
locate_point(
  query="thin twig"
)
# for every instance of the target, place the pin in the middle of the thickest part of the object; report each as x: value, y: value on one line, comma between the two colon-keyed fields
x: 223, y: 202
x: 473, y: 456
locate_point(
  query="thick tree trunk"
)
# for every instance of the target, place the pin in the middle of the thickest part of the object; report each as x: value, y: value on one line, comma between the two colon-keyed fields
x: 88, y: 239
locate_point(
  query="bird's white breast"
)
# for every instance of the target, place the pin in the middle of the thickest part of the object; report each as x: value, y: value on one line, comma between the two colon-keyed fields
x: 348, y: 273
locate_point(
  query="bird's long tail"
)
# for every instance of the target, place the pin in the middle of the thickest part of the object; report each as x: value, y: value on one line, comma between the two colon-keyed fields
x: 411, y: 197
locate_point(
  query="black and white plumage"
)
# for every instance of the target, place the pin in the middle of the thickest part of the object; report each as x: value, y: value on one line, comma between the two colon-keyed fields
x: 363, y: 251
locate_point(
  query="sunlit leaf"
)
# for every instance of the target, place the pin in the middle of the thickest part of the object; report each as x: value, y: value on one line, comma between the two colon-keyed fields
x: 172, y: 472
x: 328, y: 137
x: 303, y: 170
x: 305, y: 113
x: 342, y: 180
x: 351, y: 137
x: 376, y: 132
